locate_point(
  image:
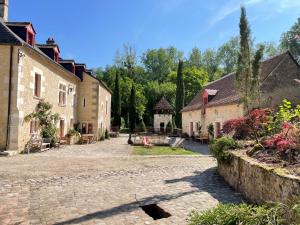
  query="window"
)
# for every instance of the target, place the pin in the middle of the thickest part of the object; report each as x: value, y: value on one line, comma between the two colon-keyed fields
x: 83, y: 128
x: 84, y: 102
x: 62, y: 94
x: 37, y: 85
x: 90, y: 128
x: 34, y: 126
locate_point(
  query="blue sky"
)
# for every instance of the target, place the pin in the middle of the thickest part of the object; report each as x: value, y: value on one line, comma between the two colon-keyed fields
x: 91, y: 31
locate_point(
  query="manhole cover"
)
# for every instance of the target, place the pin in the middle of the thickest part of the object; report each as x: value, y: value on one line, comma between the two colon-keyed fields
x: 155, y: 211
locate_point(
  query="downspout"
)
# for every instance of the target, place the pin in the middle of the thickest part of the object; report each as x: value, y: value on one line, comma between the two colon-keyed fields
x: 9, y: 97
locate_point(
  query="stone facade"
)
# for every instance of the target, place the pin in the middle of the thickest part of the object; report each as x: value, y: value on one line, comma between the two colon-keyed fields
x: 161, y: 121
x: 258, y: 183
x: 26, y: 62
x: 191, y: 120
x: 94, y: 105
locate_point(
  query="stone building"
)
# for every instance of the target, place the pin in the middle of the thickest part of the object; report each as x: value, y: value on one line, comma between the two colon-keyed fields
x: 219, y: 101
x: 31, y: 72
x: 163, y: 114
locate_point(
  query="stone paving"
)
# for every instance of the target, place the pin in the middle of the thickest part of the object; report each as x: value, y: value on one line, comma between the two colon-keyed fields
x: 104, y: 184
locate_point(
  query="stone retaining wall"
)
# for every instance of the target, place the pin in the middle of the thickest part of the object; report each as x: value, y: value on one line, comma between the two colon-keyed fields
x: 259, y: 183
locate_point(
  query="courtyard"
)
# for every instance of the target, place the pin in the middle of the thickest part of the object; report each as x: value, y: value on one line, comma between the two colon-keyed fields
x: 103, y: 183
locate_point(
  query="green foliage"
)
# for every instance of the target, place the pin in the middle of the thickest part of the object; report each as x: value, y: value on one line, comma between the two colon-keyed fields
x: 180, y: 97
x: 210, y: 129
x: 132, y: 109
x: 117, y: 103
x: 142, y: 126
x: 255, y: 84
x: 220, y: 146
x: 169, y: 128
x: 231, y: 214
x: 160, y: 62
x: 73, y: 133
x: 195, y: 58
x: 290, y: 40
x: 211, y: 63
x: 46, y: 119
x: 228, y: 54
x: 286, y: 113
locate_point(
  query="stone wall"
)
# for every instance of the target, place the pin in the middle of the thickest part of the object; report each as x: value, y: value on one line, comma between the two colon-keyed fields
x: 259, y: 183
x: 213, y: 115
x: 161, y: 118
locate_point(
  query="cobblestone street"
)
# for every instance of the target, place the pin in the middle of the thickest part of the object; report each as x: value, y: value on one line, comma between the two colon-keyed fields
x: 103, y: 183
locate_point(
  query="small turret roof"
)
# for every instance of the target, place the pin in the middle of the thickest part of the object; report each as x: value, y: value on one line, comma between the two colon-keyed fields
x: 163, y: 104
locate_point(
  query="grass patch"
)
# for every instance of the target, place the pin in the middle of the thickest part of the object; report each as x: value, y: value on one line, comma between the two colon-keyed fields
x: 161, y: 150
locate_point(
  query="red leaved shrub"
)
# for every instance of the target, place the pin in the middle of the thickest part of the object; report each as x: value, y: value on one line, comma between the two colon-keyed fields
x: 252, y: 125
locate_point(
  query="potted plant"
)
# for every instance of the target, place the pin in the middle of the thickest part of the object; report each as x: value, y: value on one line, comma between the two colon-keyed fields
x: 73, y: 136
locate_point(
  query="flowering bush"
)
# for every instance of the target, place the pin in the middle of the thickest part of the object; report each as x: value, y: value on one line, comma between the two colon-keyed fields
x: 252, y: 125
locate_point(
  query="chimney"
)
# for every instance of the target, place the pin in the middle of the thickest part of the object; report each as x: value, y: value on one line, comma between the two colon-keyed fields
x: 50, y: 41
x: 4, y: 10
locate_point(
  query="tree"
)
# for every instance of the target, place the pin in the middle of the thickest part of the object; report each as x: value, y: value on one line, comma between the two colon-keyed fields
x: 270, y: 49
x: 179, y: 102
x: 117, y: 103
x: 248, y: 70
x: 243, y: 74
x: 195, y: 58
x: 228, y: 55
x: 211, y: 63
x: 255, y: 81
x: 194, y: 78
x: 132, y: 109
x: 160, y: 62
x: 290, y: 40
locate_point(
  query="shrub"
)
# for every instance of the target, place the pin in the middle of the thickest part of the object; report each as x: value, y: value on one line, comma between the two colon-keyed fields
x: 219, y: 146
x: 230, y: 214
x: 210, y: 130
x: 169, y: 128
x: 73, y: 133
x: 252, y: 125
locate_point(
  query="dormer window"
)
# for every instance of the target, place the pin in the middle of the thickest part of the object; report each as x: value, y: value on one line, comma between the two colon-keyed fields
x: 30, y: 38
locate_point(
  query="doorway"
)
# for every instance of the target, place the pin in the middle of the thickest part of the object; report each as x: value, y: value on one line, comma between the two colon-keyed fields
x: 191, y: 128
x: 62, y: 128
x: 162, y: 127
x: 217, y: 129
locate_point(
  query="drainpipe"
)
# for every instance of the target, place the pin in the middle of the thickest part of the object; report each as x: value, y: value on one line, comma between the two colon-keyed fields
x: 9, y: 97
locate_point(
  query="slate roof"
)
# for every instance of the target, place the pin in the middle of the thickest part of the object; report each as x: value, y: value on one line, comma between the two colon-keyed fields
x: 7, y: 36
x: 163, y: 104
x: 226, y: 91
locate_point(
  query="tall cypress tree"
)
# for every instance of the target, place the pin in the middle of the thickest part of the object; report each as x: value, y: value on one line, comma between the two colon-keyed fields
x: 132, y: 109
x: 179, y: 103
x: 117, y: 103
x: 243, y: 75
x: 248, y: 70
